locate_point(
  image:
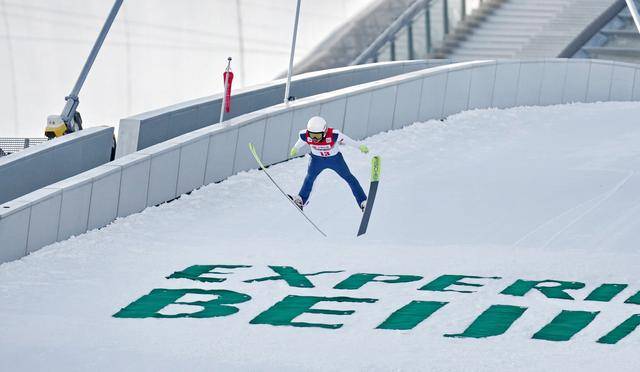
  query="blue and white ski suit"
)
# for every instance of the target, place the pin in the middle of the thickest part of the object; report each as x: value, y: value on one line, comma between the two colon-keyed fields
x: 326, y: 155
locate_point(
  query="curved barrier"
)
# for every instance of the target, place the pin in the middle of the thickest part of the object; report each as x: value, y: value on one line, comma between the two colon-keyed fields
x: 52, y: 161
x: 141, y: 131
x: 163, y: 172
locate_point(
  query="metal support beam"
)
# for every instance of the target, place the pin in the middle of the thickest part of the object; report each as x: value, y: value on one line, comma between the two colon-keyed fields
x: 392, y: 49
x: 72, y: 99
x: 427, y: 26
x: 411, y: 53
x: 634, y: 13
x: 445, y: 15
x: 293, y: 52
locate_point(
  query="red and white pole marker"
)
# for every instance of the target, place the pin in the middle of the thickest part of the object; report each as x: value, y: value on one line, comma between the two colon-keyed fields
x: 227, y: 77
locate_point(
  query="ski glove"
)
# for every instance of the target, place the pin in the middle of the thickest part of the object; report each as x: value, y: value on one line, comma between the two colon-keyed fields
x: 364, y: 149
x: 294, y: 152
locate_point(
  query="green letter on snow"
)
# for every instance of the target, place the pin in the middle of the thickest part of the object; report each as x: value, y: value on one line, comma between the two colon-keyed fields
x: 621, y: 331
x: 201, y: 273
x: 635, y: 299
x: 356, y: 281
x: 291, y: 276
x: 565, y: 325
x: 442, y: 283
x: 409, y: 316
x: 495, y: 321
x: 522, y: 287
x: 149, y: 306
x: 606, y: 292
x: 284, y: 312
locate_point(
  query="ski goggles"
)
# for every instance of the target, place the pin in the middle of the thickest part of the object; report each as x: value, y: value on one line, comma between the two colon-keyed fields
x: 316, y: 136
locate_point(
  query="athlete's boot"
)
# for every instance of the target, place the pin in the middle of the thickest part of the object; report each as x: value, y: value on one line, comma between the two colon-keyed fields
x: 297, y: 200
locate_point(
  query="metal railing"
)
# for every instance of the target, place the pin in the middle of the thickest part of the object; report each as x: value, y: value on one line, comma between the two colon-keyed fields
x: 592, y: 30
x: 611, y: 36
x: 419, y: 31
x: 11, y: 145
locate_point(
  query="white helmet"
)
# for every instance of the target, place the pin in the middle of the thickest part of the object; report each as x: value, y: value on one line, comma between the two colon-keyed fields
x: 317, y: 125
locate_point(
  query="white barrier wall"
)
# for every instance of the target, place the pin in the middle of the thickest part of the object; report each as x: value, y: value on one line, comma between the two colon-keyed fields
x: 141, y: 131
x: 54, y: 160
x: 163, y: 172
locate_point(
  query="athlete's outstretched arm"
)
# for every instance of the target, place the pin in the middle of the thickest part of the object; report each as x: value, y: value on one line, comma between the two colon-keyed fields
x: 343, y: 139
x: 299, y: 144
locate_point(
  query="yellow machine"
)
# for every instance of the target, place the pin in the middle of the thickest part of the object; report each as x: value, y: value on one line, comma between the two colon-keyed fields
x: 56, y: 127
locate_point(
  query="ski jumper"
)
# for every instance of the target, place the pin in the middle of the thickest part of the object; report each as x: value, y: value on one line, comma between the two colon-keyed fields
x: 325, y: 154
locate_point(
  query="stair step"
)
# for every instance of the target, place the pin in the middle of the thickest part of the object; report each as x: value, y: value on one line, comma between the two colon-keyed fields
x: 537, y: 4
x: 484, y: 52
x: 469, y: 57
x: 492, y: 30
x: 534, y: 28
x: 507, y: 10
x: 532, y: 8
x: 622, y: 33
x: 623, y: 43
x: 492, y: 46
x: 509, y: 39
x: 613, y: 51
x: 508, y: 29
x: 516, y: 13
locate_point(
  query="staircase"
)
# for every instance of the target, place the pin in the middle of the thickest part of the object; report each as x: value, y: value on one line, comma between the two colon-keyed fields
x: 522, y: 29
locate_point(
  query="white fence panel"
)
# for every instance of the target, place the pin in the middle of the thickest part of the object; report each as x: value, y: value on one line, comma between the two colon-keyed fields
x: 407, y: 104
x: 622, y: 83
x: 165, y: 171
x: 481, y: 88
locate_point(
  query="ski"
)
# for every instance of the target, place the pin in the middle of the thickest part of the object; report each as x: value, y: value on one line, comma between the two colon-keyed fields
x: 264, y: 169
x: 373, y: 189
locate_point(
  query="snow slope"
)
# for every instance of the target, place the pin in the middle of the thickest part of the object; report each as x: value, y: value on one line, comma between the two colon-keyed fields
x: 524, y: 193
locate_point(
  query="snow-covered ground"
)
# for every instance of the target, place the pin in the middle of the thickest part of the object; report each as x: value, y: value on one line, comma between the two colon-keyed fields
x: 521, y: 194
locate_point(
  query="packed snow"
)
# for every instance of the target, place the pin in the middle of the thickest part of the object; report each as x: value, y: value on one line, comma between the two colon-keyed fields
x: 526, y: 193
